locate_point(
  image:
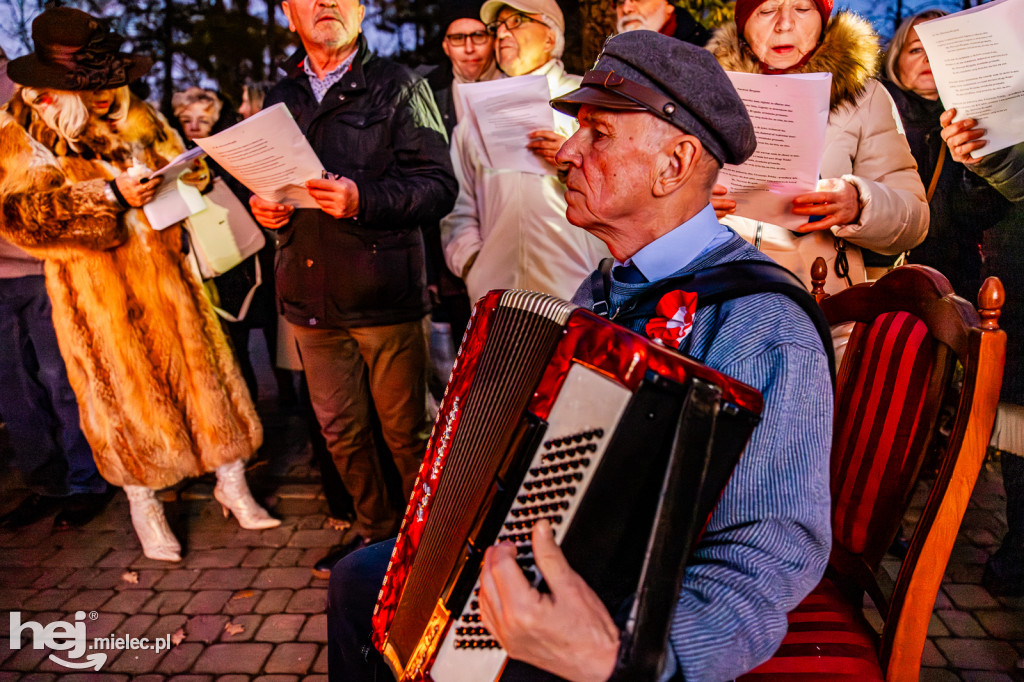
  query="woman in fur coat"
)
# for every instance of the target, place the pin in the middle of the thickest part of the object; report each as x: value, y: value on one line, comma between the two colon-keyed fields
x: 870, y: 194
x: 160, y: 394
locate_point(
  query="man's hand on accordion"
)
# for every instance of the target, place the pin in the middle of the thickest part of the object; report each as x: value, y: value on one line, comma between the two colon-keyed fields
x: 568, y: 632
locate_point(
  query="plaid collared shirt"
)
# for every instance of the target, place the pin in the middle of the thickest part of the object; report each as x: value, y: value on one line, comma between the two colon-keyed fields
x: 322, y: 85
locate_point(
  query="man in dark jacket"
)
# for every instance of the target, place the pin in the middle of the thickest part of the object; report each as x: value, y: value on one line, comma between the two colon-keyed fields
x: 661, y: 16
x: 470, y: 49
x: 350, y: 276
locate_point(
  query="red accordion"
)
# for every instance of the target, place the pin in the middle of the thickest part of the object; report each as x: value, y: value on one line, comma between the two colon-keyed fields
x: 554, y: 413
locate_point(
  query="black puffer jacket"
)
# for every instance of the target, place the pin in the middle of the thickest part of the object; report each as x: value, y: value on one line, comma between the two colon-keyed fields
x: 378, y: 126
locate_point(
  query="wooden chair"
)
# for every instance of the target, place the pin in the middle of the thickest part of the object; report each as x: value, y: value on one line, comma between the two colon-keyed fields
x: 911, y: 334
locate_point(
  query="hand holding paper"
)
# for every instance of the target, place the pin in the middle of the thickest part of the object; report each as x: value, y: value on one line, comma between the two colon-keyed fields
x: 137, y: 191
x: 270, y: 214
x: 723, y: 206
x: 337, y: 197
x: 962, y: 137
x: 835, y: 199
x: 511, y: 110
x: 545, y: 144
x: 976, y: 58
x: 173, y: 200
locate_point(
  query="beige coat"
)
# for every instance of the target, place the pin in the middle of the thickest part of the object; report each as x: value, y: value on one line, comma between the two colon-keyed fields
x: 160, y: 395
x: 864, y: 144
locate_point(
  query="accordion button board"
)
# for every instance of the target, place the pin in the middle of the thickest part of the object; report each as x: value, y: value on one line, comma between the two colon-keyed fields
x: 554, y: 413
x: 556, y: 480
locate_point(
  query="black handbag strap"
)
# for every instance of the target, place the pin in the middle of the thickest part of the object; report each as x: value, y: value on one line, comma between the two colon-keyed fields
x: 715, y: 285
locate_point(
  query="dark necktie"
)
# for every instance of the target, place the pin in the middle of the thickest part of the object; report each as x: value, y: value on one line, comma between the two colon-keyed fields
x: 629, y: 274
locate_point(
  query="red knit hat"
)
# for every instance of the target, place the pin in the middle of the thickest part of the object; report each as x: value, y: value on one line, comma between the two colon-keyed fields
x: 744, y: 8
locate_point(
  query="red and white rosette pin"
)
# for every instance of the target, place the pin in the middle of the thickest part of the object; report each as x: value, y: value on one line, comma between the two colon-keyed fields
x: 674, y: 318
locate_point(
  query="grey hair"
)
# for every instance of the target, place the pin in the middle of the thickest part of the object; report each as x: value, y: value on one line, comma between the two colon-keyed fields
x: 899, y: 39
x: 559, y: 48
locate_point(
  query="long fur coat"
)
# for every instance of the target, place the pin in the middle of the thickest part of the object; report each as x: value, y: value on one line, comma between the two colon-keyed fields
x: 864, y: 145
x: 160, y: 394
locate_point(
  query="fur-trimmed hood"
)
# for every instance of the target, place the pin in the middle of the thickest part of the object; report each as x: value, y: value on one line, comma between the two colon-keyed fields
x: 849, y: 50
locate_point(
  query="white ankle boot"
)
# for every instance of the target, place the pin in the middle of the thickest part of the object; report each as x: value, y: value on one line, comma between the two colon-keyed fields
x: 158, y: 542
x: 233, y: 494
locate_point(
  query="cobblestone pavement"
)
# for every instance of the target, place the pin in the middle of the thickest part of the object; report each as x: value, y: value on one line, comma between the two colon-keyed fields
x: 974, y: 636
x: 243, y: 605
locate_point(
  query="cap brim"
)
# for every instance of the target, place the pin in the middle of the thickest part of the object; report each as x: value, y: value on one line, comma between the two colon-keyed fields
x: 570, y: 103
x: 489, y: 10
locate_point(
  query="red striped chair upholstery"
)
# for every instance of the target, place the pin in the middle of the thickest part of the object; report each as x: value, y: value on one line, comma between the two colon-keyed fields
x: 909, y: 334
x: 828, y: 639
x: 883, y: 425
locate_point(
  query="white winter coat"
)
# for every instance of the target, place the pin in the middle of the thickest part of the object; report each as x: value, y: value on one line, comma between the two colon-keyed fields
x: 515, y: 221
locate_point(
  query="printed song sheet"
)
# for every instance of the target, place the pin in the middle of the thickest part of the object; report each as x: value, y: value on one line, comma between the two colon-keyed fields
x: 977, y: 60
x: 789, y: 113
x: 508, y: 109
x: 268, y: 154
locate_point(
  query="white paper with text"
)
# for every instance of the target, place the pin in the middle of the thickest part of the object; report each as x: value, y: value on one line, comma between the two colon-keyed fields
x: 504, y: 112
x: 790, y: 114
x: 179, y: 163
x: 977, y: 60
x: 268, y: 154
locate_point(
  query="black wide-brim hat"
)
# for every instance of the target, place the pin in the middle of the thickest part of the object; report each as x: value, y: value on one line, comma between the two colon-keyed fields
x: 76, y: 51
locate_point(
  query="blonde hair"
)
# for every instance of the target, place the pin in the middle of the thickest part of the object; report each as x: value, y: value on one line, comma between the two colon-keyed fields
x: 119, y: 107
x: 68, y: 115
x: 899, y: 39
x: 183, y: 100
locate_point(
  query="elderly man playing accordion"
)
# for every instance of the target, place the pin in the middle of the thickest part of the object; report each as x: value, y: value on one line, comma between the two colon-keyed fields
x: 658, y: 118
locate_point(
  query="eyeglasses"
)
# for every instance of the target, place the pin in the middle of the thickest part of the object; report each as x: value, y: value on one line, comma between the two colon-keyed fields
x: 511, y: 24
x: 459, y: 39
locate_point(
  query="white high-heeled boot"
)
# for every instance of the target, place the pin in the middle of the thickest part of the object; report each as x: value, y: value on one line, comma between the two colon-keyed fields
x: 158, y: 542
x: 233, y: 494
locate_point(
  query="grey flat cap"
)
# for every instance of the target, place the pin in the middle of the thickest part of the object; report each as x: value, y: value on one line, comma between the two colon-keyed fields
x: 677, y: 82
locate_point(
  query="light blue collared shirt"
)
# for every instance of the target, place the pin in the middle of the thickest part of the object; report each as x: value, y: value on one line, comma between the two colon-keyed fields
x: 664, y: 256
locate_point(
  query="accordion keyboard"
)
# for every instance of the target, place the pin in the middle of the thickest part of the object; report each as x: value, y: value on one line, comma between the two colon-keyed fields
x: 556, y: 480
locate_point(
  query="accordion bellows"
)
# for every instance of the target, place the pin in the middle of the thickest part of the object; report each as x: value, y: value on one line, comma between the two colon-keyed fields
x: 554, y: 413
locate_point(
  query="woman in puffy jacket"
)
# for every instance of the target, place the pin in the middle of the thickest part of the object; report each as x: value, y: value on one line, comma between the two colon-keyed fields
x: 870, y: 194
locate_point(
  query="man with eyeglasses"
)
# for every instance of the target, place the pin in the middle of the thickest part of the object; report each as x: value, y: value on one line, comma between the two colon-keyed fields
x: 470, y: 50
x: 661, y: 16
x: 508, y: 227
